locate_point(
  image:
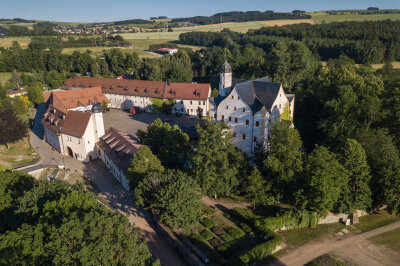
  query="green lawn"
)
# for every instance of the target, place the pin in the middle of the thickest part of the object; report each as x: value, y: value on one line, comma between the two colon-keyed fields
x: 4, y: 76
x: 390, y: 239
x: 372, y: 221
x: 17, y: 154
x: 298, y: 237
x: 323, y: 17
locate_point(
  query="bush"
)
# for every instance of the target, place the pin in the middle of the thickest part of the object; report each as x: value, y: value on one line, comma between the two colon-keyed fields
x: 227, y: 216
x: 235, y: 232
x: 216, y: 242
x: 207, y: 235
x: 223, y: 248
x: 218, y: 230
x: 257, y: 253
x: 208, y: 223
x: 226, y: 237
x: 196, y: 238
x: 246, y: 228
x: 208, y: 211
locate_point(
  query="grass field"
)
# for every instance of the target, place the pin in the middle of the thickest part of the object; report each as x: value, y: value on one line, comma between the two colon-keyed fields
x: 4, y: 76
x: 323, y: 17
x: 7, y: 41
x: 370, y: 222
x: 390, y: 239
x: 17, y: 154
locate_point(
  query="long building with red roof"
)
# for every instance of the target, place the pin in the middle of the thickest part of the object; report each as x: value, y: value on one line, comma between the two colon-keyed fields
x: 189, y: 98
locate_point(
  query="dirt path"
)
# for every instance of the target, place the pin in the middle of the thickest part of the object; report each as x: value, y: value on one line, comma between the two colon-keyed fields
x: 350, y: 247
x: 228, y: 205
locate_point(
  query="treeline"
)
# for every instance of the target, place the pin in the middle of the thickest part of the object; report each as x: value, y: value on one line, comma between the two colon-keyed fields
x: 72, y: 42
x: 45, y: 29
x: 237, y: 16
x: 131, y: 21
x: 364, y: 42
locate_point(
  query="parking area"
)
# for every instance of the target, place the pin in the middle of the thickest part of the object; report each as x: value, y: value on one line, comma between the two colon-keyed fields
x: 129, y: 123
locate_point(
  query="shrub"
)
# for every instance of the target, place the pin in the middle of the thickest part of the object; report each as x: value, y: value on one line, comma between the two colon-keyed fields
x: 196, y: 238
x: 218, y: 230
x: 216, y: 242
x: 207, y: 235
x: 246, y: 228
x: 208, y: 211
x: 223, y: 248
x: 208, y: 223
x: 227, y: 216
x: 226, y: 237
x: 235, y: 232
x: 259, y: 252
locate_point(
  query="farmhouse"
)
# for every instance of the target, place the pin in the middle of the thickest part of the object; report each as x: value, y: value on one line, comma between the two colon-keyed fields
x: 116, y: 150
x: 73, y: 122
x: 249, y: 107
x: 189, y: 98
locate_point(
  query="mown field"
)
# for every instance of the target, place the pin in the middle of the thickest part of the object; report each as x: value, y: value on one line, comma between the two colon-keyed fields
x: 323, y: 17
x: 4, y: 76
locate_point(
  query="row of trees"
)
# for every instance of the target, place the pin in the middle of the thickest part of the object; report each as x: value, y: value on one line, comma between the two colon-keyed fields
x: 364, y: 42
x: 43, y: 222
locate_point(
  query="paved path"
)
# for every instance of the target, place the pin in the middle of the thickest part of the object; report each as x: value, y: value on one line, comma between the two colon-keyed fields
x: 114, y: 193
x: 308, y: 252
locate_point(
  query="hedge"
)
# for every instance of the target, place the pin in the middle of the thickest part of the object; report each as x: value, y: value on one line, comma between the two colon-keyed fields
x: 226, y: 237
x: 235, y: 232
x: 208, y: 211
x: 209, y: 223
x: 207, y: 235
x: 289, y: 219
x: 259, y: 252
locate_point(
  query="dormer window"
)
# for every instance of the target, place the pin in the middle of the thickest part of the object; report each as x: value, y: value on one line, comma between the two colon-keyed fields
x: 136, y: 89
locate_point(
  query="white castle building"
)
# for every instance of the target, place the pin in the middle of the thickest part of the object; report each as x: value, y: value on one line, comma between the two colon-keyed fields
x: 249, y: 107
x: 73, y: 122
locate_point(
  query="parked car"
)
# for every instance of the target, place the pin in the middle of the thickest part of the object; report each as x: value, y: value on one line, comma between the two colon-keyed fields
x: 192, y: 117
x: 167, y: 120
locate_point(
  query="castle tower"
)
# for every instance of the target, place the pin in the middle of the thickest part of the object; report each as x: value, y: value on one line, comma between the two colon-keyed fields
x: 225, y: 79
x: 97, y: 113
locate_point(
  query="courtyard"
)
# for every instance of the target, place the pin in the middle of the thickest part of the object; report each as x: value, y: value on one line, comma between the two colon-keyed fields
x: 130, y: 123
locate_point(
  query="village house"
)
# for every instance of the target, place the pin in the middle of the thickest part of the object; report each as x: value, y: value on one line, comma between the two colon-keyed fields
x: 73, y: 122
x: 249, y: 107
x: 116, y: 150
x: 189, y: 98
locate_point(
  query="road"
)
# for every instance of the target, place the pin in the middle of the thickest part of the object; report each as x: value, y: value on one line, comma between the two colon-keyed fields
x: 112, y: 191
x: 308, y: 252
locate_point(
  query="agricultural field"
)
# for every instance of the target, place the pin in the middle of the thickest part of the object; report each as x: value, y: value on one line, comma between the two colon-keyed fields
x: 323, y: 17
x: 7, y: 41
x: 98, y: 51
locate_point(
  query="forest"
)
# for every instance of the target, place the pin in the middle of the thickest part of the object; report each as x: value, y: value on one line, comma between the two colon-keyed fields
x: 236, y: 16
x: 364, y: 42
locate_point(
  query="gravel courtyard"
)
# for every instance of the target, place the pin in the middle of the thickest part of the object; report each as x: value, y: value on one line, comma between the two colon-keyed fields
x: 128, y: 123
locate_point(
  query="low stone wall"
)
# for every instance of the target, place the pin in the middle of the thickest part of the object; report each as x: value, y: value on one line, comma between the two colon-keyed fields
x: 340, y: 217
x: 189, y: 257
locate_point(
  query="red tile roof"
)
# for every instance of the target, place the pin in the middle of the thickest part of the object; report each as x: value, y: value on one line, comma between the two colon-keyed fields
x: 75, y: 123
x: 144, y: 88
x: 69, y: 99
x: 53, y: 119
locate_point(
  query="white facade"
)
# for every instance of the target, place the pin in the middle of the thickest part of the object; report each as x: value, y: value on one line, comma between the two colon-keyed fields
x: 114, y: 169
x: 84, y: 148
x: 188, y: 107
x: 248, y: 126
